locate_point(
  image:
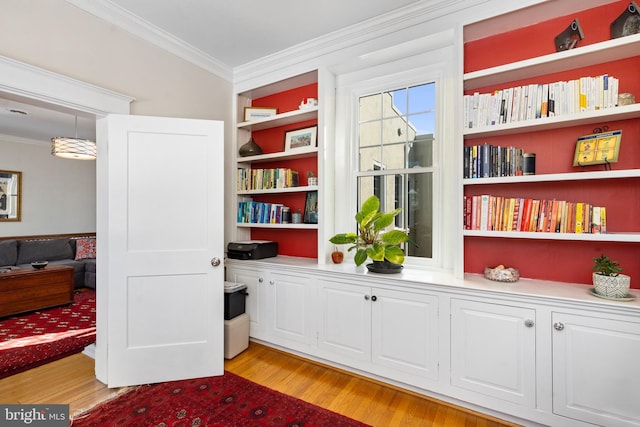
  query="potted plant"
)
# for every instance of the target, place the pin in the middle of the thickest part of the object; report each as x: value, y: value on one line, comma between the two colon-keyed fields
x: 372, y: 241
x: 607, y: 278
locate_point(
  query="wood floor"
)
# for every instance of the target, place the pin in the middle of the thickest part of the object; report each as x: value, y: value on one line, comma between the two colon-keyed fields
x: 72, y: 381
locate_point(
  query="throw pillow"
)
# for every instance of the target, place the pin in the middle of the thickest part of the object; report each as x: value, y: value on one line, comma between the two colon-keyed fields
x: 85, y: 249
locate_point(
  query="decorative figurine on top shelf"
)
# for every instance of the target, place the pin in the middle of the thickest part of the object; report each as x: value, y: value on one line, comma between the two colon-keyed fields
x: 627, y: 23
x: 569, y: 38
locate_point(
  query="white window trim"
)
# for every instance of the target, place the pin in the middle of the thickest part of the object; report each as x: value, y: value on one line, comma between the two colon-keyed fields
x: 405, y: 72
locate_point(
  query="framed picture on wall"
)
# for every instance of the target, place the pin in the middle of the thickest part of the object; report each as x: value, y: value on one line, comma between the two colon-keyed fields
x: 10, y: 195
x: 301, y: 139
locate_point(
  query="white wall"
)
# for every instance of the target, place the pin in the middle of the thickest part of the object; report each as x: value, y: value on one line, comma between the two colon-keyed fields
x: 58, y: 195
x: 59, y: 37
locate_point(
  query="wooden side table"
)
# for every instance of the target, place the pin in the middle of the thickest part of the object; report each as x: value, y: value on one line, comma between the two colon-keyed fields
x: 28, y: 289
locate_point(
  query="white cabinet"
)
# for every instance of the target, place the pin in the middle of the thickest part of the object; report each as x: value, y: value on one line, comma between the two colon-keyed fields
x: 493, y: 350
x: 256, y: 305
x: 386, y: 332
x: 596, y: 374
x: 280, y: 306
x: 291, y: 303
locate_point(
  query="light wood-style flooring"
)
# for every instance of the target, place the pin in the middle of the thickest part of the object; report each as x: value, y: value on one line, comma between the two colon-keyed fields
x: 71, y: 381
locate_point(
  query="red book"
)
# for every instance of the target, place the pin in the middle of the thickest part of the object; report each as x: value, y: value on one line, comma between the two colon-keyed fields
x: 526, y: 215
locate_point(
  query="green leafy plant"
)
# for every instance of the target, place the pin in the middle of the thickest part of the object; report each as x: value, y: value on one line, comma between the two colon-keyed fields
x: 605, y: 266
x: 372, y: 241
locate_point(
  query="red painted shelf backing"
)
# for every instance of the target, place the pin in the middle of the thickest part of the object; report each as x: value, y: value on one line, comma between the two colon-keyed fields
x: 559, y: 260
x: 291, y: 242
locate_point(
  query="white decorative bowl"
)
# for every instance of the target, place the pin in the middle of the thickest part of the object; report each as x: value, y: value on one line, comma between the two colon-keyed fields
x: 612, y: 286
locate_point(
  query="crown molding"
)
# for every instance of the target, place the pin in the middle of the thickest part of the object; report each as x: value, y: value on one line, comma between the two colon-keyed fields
x: 388, y: 24
x: 120, y: 17
x: 37, y: 84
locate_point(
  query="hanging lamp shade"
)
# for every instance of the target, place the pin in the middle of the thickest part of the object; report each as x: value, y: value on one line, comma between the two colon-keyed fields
x: 73, y: 147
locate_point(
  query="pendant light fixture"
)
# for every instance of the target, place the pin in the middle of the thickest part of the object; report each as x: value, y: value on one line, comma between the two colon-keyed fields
x: 73, y: 148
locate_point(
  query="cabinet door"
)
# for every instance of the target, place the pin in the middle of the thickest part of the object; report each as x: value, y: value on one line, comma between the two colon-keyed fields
x: 291, y: 304
x: 493, y: 350
x: 256, y: 298
x: 345, y: 322
x: 596, y: 374
x: 405, y: 334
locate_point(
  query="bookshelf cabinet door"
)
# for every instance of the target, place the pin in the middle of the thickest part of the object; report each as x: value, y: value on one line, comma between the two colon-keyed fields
x: 493, y: 350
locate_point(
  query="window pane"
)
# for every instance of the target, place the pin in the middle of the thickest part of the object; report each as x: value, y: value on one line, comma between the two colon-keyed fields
x: 414, y: 194
x: 371, y: 159
x: 370, y: 107
x: 422, y: 98
x: 369, y: 134
x: 421, y: 152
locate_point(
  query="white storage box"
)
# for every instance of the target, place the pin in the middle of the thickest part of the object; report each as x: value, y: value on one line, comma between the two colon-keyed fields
x: 236, y: 335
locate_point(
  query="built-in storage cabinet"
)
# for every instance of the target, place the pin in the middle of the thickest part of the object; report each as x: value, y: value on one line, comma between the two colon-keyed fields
x: 278, y: 178
x: 281, y: 306
x: 561, y: 256
x: 493, y: 350
x: 554, y: 357
x: 596, y: 375
x: 388, y: 332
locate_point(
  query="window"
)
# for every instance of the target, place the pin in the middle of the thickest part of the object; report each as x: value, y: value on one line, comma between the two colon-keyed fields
x: 395, y: 146
x: 395, y: 138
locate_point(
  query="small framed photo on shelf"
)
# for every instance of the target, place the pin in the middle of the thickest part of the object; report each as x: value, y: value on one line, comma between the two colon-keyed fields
x: 301, y: 139
x: 257, y: 113
x: 597, y: 149
x: 311, y: 208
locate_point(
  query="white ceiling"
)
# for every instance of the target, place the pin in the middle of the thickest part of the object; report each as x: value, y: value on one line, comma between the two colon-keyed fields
x: 240, y: 31
x: 233, y: 32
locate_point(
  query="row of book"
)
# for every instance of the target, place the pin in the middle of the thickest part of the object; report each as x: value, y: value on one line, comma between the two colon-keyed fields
x: 260, y: 213
x: 535, y: 101
x: 497, y: 213
x: 265, y: 179
x: 488, y: 161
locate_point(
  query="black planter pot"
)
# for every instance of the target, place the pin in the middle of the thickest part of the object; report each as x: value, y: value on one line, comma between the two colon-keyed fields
x: 384, y: 267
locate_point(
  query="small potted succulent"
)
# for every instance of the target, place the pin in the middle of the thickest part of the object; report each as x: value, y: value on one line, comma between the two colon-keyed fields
x: 607, y: 278
x: 372, y: 241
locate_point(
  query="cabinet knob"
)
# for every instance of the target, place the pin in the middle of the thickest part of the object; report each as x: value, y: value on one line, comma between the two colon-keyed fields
x: 558, y: 326
x: 260, y: 280
x: 529, y: 323
x: 374, y: 298
x: 272, y: 282
x: 367, y: 297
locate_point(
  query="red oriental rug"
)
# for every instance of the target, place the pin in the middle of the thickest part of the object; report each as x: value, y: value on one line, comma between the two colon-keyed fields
x: 33, y: 339
x: 228, y: 400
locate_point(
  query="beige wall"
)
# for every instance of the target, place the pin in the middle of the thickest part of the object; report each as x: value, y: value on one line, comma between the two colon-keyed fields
x: 58, y: 195
x: 59, y: 37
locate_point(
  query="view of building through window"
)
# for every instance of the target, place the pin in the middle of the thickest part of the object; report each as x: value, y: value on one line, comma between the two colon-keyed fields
x: 395, y: 157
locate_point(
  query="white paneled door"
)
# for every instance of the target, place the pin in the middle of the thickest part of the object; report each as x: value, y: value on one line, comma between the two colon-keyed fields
x: 160, y: 295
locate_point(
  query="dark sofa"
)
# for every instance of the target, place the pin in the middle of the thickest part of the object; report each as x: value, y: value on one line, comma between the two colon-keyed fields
x: 22, y: 252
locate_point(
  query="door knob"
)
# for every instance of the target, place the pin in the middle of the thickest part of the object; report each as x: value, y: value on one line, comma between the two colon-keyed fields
x: 215, y: 261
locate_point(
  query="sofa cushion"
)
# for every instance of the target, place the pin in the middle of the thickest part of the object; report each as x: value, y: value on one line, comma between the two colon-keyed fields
x: 44, y: 250
x: 85, y: 249
x: 8, y: 252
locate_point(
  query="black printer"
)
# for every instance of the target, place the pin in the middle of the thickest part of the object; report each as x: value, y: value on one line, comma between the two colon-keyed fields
x: 252, y: 249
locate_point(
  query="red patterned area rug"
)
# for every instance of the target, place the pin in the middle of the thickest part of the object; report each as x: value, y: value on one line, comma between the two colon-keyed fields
x: 33, y: 339
x: 228, y: 400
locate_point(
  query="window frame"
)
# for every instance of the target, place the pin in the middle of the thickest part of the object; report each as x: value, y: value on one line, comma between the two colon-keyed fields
x: 387, y: 77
